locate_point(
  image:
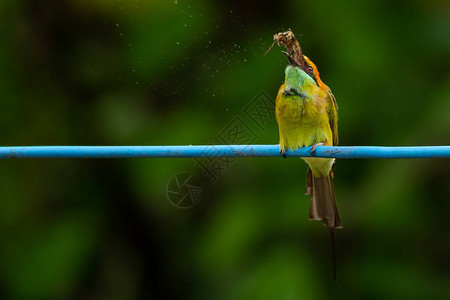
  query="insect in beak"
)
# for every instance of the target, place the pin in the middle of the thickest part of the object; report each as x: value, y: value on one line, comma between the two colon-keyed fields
x: 292, y: 61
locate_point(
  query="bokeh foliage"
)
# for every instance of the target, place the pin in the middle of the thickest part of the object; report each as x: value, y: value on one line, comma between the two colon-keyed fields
x: 116, y: 72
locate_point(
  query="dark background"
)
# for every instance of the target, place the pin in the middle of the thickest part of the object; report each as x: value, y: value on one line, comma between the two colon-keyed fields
x: 98, y: 72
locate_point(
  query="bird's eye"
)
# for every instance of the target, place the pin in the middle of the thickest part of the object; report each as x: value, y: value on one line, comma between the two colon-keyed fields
x: 310, y: 69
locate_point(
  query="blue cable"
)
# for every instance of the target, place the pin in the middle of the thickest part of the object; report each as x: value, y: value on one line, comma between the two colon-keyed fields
x: 346, y: 152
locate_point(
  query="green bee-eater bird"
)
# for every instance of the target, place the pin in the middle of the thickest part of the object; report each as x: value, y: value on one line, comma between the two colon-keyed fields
x: 306, y: 112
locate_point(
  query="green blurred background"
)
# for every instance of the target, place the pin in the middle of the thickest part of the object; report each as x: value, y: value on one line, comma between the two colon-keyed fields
x: 100, y: 72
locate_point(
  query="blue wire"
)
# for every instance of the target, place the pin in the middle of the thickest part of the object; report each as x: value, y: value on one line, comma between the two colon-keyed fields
x: 221, y: 151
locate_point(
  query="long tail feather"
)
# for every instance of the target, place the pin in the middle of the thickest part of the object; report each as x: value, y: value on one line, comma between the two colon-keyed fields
x: 323, y: 201
x: 323, y: 206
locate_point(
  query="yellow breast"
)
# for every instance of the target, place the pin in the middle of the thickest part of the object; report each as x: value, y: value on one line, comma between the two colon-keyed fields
x: 302, y: 121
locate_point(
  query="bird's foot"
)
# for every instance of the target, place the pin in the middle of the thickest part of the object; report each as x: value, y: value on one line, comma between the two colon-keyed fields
x: 314, y: 147
x: 283, y: 153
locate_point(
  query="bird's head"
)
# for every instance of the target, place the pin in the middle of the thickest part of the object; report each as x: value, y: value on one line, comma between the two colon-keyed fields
x: 304, y: 70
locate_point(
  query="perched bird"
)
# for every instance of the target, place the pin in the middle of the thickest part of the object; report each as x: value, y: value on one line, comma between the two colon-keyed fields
x: 306, y: 113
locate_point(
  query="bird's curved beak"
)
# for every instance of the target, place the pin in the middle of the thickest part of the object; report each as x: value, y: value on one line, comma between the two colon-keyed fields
x: 292, y: 61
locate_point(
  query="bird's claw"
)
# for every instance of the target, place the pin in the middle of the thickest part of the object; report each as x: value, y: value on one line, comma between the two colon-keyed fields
x: 314, y: 147
x: 283, y: 153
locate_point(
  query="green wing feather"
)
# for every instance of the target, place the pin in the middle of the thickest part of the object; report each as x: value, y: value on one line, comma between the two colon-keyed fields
x: 333, y: 116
